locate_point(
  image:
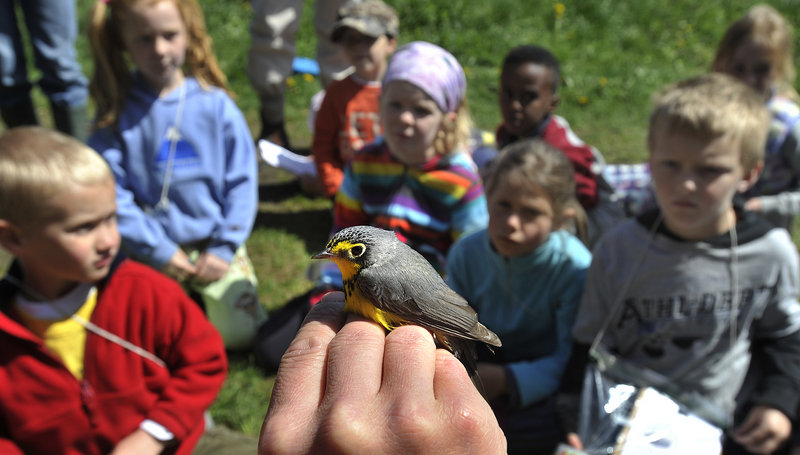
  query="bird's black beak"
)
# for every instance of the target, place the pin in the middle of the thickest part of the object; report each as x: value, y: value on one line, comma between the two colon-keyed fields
x: 323, y: 255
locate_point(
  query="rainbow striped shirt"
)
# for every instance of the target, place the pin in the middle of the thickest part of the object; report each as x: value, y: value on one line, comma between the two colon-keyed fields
x: 429, y: 206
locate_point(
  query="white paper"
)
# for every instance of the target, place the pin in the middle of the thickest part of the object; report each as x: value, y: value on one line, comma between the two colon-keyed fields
x: 277, y: 156
x: 658, y: 427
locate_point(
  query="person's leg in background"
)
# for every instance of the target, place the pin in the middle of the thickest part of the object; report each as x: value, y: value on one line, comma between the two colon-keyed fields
x: 269, y: 61
x: 16, y: 104
x: 53, y: 29
x: 273, y: 32
x: 333, y: 65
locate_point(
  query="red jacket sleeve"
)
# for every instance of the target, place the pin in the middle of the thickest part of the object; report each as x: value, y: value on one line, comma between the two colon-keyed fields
x: 325, y: 146
x: 559, y: 135
x: 161, y: 318
x: 7, y: 447
x: 195, y: 354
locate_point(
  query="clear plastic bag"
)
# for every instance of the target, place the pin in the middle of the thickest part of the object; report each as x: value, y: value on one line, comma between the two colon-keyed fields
x: 626, y: 417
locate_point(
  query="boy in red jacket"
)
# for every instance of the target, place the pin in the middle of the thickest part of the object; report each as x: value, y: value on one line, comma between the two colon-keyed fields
x: 98, y: 355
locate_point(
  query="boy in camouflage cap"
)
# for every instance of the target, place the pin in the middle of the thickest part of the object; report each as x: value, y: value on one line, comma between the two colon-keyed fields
x: 348, y: 117
x: 371, y: 18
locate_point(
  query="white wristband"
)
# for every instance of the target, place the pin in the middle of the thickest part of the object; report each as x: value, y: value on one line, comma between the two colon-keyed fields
x: 157, y: 431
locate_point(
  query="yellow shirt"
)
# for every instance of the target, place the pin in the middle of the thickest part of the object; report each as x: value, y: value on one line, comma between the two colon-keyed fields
x: 64, y: 336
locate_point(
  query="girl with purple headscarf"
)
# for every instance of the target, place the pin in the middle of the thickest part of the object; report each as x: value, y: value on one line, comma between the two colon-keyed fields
x: 418, y: 179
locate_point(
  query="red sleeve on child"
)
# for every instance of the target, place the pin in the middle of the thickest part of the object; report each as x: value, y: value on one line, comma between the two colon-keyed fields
x: 559, y: 135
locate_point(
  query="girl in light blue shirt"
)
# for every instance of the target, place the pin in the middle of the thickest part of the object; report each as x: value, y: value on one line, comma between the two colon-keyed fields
x: 524, y: 275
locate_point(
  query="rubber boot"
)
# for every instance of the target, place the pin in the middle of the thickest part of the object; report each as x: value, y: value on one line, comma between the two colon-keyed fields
x: 271, y: 113
x: 71, y: 120
x: 19, y: 114
x: 275, y: 133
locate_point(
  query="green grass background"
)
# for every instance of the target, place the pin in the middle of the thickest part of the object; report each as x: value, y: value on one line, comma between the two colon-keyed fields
x: 614, y: 55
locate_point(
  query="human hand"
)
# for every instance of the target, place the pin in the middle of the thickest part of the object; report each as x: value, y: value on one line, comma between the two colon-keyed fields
x: 138, y: 443
x: 179, y: 266
x: 753, y: 204
x: 574, y: 441
x: 311, y: 185
x: 493, y: 379
x: 345, y: 387
x: 210, y: 267
x: 763, y: 430
x: 346, y: 151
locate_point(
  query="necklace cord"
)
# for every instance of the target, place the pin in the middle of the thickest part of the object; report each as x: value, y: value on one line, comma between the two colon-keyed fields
x: 92, y: 327
x: 173, y: 133
x: 734, y: 272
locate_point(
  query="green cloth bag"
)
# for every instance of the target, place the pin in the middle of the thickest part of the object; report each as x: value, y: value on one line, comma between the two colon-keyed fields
x: 232, y: 303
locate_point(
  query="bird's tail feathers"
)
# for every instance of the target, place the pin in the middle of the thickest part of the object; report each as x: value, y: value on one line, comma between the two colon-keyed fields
x: 466, y: 352
x: 483, y: 334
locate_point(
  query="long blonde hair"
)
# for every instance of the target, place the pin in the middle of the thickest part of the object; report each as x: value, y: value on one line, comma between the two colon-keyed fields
x: 454, y: 135
x: 763, y: 25
x: 111, y: 77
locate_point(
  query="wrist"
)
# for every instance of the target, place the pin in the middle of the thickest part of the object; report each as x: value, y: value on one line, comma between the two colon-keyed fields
x: 157, y: 431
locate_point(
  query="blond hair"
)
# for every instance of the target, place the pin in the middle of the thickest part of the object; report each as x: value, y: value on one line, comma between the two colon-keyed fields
x: 536, y: 165
x: 454, y: 136
x: 713, y: 105
x: 37, y: 163
x: 111, y: 77
x: 763, y: 25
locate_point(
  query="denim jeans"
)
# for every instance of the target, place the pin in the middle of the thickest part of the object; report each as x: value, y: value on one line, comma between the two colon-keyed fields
x: 53, y: 28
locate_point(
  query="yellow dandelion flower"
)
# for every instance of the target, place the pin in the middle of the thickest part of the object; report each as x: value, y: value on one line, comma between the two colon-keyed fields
x: 308, y: 77
x: 603, y: 81
x: 583, y: 99
x: 290, y: 82
x: 559, y: 9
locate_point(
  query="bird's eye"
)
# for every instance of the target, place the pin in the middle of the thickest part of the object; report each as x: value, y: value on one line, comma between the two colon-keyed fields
x: 357, y: 250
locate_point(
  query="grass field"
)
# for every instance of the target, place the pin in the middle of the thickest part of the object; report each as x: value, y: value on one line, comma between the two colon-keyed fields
x: 614, y: 55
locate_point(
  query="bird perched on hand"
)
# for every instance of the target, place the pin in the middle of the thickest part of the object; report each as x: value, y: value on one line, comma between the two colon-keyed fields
x: 389, y: 282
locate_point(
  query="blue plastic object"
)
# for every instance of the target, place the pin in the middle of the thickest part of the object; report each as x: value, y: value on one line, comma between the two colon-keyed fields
x: 305, y: 65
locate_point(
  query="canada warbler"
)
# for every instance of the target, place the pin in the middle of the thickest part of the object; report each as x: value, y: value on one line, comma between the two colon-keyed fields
x: 387, y: 281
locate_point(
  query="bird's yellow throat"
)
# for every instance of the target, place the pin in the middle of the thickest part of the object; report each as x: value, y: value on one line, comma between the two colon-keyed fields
x: 348, y: 268
x: 354, y: 301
